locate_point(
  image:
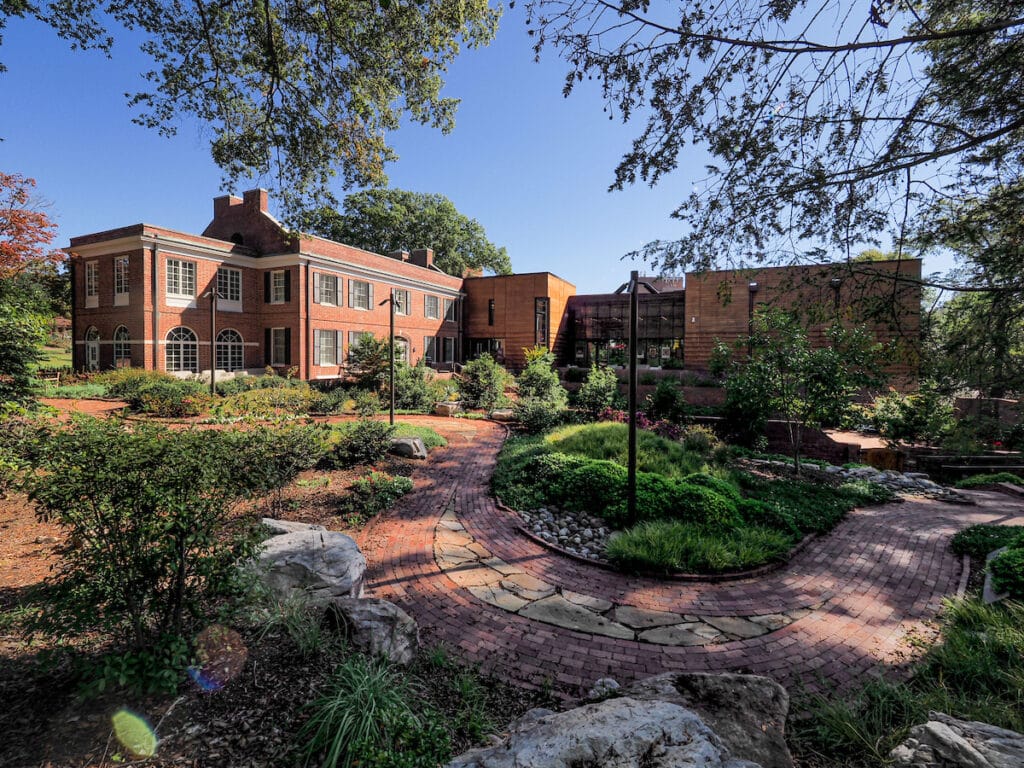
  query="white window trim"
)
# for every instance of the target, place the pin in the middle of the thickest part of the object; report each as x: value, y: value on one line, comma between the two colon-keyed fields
x: 92, y: 284
x: 223, y: 302
x: 173, y: 298
x: 406, y: 310
x: 322, y: 293
x: 426, y: 308
x: 274, y: 298
x: 121, y: 298
x: 351, y: 293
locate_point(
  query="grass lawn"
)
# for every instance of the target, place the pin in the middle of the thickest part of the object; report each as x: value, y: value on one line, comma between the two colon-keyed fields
x: 55, y: 357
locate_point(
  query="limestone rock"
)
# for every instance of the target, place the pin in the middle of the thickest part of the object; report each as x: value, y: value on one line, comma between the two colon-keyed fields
x: 447, y: 409
x: 320, y: 564
x: 617, y: 733
x: 278, y: 527
x: 748, y: 712
x: 376, y: 627
x: 408, y: 447
x: 606, y: 686
x: 503, y: 414
x: 945, y: 742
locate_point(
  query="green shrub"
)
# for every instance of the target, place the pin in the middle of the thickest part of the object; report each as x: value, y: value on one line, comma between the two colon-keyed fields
x: 170, y: 398
x: 265, y: 460
x: 366, y: 403
x: 376, y: 492
x: 1008, y: 571
x: 539, y: 380
x: 268, y: 402
x: 239, y: 384
x: 978, y: 540
x: 574, y: 375
x: 668, y: 546
x: 703, y: 506
x: 813, y: 508
x: 482, y: 382
x: 719, y: 486
x: 700, y: 439
x: 152, y: 542
x: 331, y: 401
x: 925, y: 416
x: 358, y: 442
x: 666, y: 402
x: 536, y: 415
x: 598, y: 392
x: 990, y: 479
x: 413, y: 390
x: 365, y: 716
x: 594, y: 486
x: 124, y: 383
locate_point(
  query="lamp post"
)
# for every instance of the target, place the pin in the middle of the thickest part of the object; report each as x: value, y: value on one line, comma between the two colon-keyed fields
x: 634, y: 285
x: 836, y: 282
x: 213, y: 339
x: 391, y: 353
x: 752, y: 288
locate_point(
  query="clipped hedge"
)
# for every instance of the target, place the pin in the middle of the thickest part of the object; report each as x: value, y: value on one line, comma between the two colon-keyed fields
x: 169, y: 398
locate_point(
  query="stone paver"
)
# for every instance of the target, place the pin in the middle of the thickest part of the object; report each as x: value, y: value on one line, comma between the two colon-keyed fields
x: 850, y: 598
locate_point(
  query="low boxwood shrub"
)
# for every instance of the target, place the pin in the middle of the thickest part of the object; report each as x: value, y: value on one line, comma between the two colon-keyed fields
x: 358, y: 442
x: 990, y: 479
x: 593, y: 486
x: 267, y: 381
x: 536, y: 415
x: 717, y: 485
x: 170, y: 398
x: 1008, y: 571
x: 124, y: 383
x: 374, y: 493
x: 978, y: 540
x: 703, y: 506
x: 268, y: 402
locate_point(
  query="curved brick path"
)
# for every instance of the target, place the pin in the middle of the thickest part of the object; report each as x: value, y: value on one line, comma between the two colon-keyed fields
x: 879, y: 576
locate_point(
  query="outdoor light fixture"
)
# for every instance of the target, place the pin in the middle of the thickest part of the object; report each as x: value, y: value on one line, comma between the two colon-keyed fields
x: 836, y: 282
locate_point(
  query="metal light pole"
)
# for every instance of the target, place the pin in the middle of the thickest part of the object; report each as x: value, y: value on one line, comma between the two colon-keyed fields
x: 213, y: 341
x: 391, y: 351
x: 634, y: 285
x: 752, y: 288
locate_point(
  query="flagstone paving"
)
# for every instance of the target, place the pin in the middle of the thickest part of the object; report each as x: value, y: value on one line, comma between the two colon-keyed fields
x: 847, y: 605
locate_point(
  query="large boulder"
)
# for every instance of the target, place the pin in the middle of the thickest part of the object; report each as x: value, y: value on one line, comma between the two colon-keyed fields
x: 280, y: 527
x: 447, y: 409
x: 318, y: 564
x: 408, y: 447
x: 748, y: 712
x: 617, y: 733
x: 945, y: 742
x: 376, y: 627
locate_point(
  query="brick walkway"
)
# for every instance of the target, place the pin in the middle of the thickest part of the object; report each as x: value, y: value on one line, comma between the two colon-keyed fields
x: 875, y: 580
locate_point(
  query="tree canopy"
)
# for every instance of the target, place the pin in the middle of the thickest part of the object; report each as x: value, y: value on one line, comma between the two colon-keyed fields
x: 385, y: 220
x: 830, y: 123
x: 292, y: 93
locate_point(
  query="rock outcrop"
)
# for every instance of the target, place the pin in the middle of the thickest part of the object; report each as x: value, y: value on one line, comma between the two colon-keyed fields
x: 319, y: 564
x: 375, y: 627
x: 945, y: 742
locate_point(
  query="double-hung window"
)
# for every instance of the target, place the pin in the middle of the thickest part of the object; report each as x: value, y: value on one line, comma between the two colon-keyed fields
x: 278, y: 286
x: 325, y: 289
x: 229, y: 289
x: 430, y: 308
x: 360, y: 294
x: 279, y: 346
x: 327, y: 348
x: 430, y: 349
x: 92, y: 284
x: 449, y: 349
x: 401, y: 302
x: 120, y: 281
x: 451, y: 311
x: 181, y: 279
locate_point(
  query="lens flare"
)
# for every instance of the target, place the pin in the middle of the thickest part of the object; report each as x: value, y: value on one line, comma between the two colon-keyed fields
x: 221, y: 656
x: 134, y: 733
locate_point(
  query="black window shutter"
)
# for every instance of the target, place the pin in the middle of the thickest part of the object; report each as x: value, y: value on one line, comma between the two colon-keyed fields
x: 287, y: 345
x: 287, y: 285
x: 316, y: 287
x: 266, y: 287
x: 268, y: 351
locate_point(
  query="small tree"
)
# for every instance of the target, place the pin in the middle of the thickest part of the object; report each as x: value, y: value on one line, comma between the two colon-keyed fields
x: 482, y: 382
x: 598, y: 392
x: 22, y: 333
x: 413, y: 386
x: 785, y: 376
x: 369, y: 360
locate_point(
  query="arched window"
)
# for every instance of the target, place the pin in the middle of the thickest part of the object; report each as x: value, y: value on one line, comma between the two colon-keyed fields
x: 92, y: 348
x: 182, y: 353
x: 230, y: 351
x: 122, y: 349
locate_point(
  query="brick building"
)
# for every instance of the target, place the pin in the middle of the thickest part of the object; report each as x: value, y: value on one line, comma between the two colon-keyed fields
x: 144, y: 296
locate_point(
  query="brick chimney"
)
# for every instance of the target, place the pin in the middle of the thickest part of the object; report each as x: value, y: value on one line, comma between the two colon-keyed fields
x: 223, y: 203
x: 423, y: 257
x: 257, y: 200
x: 399, y: 255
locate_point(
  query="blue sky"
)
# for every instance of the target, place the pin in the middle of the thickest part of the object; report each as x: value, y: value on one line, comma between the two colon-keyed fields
x: 530, y: 165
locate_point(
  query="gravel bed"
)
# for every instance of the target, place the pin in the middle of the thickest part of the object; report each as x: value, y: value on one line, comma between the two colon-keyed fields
x: 576, y: 532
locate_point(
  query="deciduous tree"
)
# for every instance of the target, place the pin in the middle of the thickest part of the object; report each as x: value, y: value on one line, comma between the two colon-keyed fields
x: 385, y: 220
x: 829, y: 122
x: 291, y: 92
x: 26, y: 231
